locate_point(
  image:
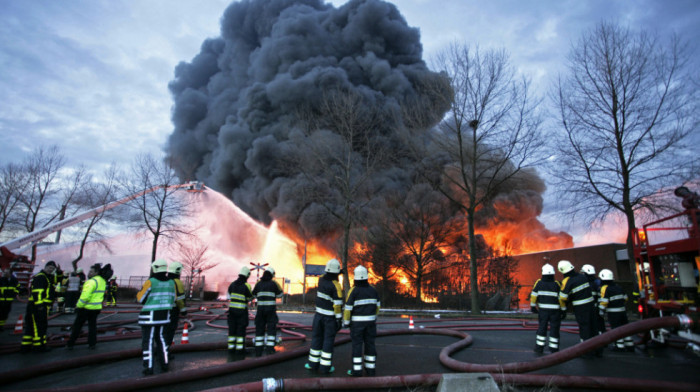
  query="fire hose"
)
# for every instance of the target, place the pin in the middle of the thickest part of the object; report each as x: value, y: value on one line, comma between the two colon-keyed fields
x: 498, y: 371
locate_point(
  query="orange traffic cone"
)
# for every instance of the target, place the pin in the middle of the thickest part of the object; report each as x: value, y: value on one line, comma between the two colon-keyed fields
x: 410, y: 323
x: 19, y: 326
x: 185, y: 334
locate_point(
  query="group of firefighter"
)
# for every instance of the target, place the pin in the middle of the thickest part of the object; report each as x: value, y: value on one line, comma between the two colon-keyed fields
x: 52, y: 291
x: 590, y: 298
x: 360, y: 315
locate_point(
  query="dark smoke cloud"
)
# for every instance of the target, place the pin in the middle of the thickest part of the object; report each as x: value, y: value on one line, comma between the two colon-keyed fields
x: 235, y: 102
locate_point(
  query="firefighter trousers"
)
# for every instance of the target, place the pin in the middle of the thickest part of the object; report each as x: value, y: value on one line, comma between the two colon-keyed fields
x: 169, y: 332
x: 81, y: 316
x: 322, y: 339
x: 585, y: 318
x: 153, y: 346
x: 35, y: 326
x: 548, y: 319
x: 618, y: 319
x: 265, y: 328
x: 237, y: 324
x: 364, y: 334
x: 5, y: 308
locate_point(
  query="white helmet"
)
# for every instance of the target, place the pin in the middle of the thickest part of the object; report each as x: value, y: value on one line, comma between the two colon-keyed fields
x: 605, y: 274
x: 565, y: 266
x: 588, y: 269
x: 360, y: 273
x: 245, y: 271
x: 79, y: 271
x: 175, y: 268
x: 333, y: 266
x: 159, y: 265
x: 271, y: 270
x: 547, y: 269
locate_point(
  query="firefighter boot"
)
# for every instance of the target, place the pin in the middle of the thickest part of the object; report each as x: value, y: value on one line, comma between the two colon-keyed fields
x: 538, y: 349
x: 353, y: 373
x: 258, y: 351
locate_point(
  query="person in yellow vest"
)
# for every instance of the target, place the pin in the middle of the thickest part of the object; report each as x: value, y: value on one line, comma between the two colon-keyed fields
x: 90, y: 305
x: 174, y: 270
x: 157, y: 295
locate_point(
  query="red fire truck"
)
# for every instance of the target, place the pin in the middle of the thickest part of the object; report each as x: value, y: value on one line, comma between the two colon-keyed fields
x: 667, y: 257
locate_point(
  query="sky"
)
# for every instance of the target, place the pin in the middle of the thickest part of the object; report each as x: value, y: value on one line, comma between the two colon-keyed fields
x: 91, y: 76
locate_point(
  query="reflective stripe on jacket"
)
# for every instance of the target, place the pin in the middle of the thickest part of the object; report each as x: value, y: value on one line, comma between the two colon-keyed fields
x: 239, y: 294
x: 612, y: 298
x: 545, y: 293
x: 329, y: 297
x: 575, y: 288
x: 363, y: 304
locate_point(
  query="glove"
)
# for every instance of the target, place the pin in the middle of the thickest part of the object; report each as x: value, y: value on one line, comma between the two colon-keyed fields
x: 533, y: 309
x: 338, y: 324
x: 563, y: 315
x: 346, y: 324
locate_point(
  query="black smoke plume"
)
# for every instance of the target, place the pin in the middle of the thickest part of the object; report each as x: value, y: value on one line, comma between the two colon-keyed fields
x: 235, y: 102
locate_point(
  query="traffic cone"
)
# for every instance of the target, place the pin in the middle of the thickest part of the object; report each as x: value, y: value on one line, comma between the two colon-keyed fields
x: 19, y: 326
x: 410, y: 323
x: 185, y: 334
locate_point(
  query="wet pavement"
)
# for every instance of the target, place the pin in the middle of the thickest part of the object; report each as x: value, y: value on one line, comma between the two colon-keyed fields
x: 397, y: 355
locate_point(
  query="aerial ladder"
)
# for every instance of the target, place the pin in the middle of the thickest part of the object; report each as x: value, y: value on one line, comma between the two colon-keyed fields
x: 22, y: 262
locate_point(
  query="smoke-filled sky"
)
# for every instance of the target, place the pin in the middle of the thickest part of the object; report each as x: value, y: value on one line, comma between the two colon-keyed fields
x: 92, y: 76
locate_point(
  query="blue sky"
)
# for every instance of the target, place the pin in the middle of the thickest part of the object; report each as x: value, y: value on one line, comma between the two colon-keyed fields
x: 91, y: 75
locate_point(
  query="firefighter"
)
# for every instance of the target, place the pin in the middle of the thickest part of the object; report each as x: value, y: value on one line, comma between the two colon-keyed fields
x: 576, y: 290
x: 594, y: 282
x: 361, y: 310
x: 9, y: 289
x: 613, y: 300
x: 266, y: 292
x: 174, y: 271
x: 72, y: 285
x: 327, y: 320
x: 111, y: 293
x: 544, y: 301
x: 239, y: 295
x: 90, y: 304
x: 38, y: 304
x: 157, y: 295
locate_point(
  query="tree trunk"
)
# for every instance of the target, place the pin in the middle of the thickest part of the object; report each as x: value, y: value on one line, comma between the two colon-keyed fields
x: 154, y: 248
x: 473, y: 276
x: 344, y: 256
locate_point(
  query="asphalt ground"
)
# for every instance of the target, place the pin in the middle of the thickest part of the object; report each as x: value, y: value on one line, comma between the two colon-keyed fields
x: 397, y: 355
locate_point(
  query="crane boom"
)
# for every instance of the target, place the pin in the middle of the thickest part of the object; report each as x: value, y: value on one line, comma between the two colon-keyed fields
x: 36, y: 235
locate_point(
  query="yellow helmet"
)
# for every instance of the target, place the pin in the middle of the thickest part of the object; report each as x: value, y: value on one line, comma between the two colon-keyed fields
x: 159, y: 265
x: 175, y: 268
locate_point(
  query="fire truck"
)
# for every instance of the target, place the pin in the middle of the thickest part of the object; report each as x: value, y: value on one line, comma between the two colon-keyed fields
x: 22, y: 267
x: 667, y: 258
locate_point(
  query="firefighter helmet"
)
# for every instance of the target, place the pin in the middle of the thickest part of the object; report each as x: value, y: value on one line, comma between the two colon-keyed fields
x: 605, y: 274
x: 159, y: 265
x: 79, y: 271
x: 547, y: 269
x: 333, y: 266
x: 175, y: 268
x: 245, y: 271
x: 360, y: 273
x: 270, y: 270
x: 565, y: 266
x: 588, y: 269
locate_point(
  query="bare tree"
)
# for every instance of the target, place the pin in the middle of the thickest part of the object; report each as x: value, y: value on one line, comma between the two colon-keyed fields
x: 491, y: 134
x: 42, y: 167
x: 341, y: 156
x: 94, y: 195
x: 162, y: 211
x: 421, y: 223
x: 626, y: 106
x: 193, y: 255
x: 13, y: 182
